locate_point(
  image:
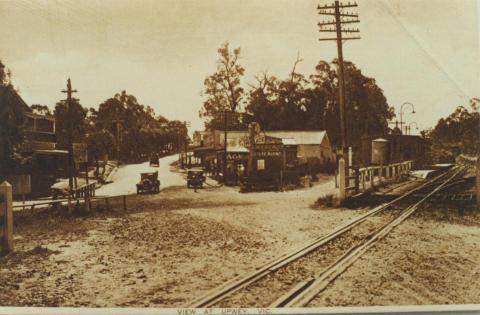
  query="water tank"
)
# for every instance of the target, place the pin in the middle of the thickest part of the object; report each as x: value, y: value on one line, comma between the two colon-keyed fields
x: 380, y: 151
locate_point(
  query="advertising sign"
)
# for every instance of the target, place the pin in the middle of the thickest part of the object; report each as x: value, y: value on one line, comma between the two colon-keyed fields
x: 260, y: 165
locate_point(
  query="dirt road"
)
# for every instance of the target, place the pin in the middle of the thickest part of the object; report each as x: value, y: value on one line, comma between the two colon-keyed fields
x: 128, y: 175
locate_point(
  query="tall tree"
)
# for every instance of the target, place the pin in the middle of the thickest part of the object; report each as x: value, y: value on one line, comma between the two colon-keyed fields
x: 281, y: 104
x: 461, y: 130
x: 262, y: 104
x: 12, y: 109
x: 70, y: 124
x: 367, y: 110
x: 223, y: 90
x: 134, y: 127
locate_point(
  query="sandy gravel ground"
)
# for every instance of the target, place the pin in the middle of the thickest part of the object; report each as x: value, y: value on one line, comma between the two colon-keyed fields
x: 164, y: 251
x: 433, y: 258
x: 169, y: 248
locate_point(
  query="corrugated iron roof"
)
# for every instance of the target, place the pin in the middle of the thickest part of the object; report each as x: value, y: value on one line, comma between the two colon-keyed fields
x: 300, y: 137
x: 236, y: 148
x: 289, y: 141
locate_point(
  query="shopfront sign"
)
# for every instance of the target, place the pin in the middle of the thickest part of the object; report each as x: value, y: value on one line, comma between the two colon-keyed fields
x: 267, y: 153
x: 232, y: 156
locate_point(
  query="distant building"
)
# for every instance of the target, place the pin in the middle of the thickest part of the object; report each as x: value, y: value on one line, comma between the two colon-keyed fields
x: 310, y: 144
x: 199, y: 138
x: 39, y: 131
x: 311, y: 148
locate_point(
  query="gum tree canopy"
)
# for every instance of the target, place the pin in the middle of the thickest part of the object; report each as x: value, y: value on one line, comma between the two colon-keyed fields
x: 296, y: 103
x: 139, y: 132
x: 223, y: 90
x: 460, y: 129
x: 12, y: 109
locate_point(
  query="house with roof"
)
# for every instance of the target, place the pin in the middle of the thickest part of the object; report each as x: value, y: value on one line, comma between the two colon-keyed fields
x: 312, y: 148
x: 43, y: 162
x: 310, y: 144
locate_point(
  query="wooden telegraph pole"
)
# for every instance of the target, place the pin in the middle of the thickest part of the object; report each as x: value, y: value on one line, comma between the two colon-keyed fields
x: 335, y: 10
x: 71, y: 163
x: 117, y: 122
x: 186, y: 124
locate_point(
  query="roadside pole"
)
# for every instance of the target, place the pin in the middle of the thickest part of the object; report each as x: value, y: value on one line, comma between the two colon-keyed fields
x: 341, y: 179
x: 87, y: 188
x: 6, y: 218
x: 478, y: 183
x: 350, y: 159
x: 251, y: 140
x: 225, y: 117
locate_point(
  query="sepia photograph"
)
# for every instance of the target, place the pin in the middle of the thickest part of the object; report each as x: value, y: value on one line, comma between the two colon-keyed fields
x: 239, y: 157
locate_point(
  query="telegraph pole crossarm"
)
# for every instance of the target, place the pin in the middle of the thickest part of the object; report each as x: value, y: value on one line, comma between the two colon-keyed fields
x: 343, y: 30
x: 344, y: 38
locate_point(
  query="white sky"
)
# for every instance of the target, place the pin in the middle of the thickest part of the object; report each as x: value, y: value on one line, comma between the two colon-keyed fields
x: 422, y: 51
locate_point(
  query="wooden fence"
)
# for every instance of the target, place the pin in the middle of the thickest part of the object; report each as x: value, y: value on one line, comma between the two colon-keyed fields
x: 87, y: 190
x: 356, y: 180
x: 89, y: 204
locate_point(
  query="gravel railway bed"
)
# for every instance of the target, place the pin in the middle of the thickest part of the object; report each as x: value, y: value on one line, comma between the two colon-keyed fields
x: 333, y: 256
x: 265, y: 291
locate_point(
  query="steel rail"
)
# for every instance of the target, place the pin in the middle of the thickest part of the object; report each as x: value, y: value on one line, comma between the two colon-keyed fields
x: 300, y: 296
x: 221, y: 292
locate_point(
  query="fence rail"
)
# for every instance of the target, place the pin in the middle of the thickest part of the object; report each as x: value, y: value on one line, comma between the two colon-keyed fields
x: 358, y: 180
x: 94, y: 202
x: 87, y: 190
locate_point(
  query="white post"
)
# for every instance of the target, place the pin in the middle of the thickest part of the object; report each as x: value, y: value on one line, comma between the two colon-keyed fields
x: 6, y: 218
x: 380, y: 173
x: 350, y: 161
x: 341, y: 178
x: 363, y: 178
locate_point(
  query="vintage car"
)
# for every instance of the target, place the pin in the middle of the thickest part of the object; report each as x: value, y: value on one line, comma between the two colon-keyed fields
x: 195, y: 178
x: 154, y: 160
x: 149, y: 183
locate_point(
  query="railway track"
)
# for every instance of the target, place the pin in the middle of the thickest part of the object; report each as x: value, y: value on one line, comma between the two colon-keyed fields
x: 303, y: 292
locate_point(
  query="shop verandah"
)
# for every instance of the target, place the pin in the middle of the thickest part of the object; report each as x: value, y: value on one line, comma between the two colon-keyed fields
x: 270, y: 163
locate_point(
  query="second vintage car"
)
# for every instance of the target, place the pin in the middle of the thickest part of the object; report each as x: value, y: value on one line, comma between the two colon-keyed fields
x: 149, y: 183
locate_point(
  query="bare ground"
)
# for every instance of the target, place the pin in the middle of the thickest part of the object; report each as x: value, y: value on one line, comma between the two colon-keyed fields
x: 432, y: 258
x: 165, y: 250
x: 170, y: 248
